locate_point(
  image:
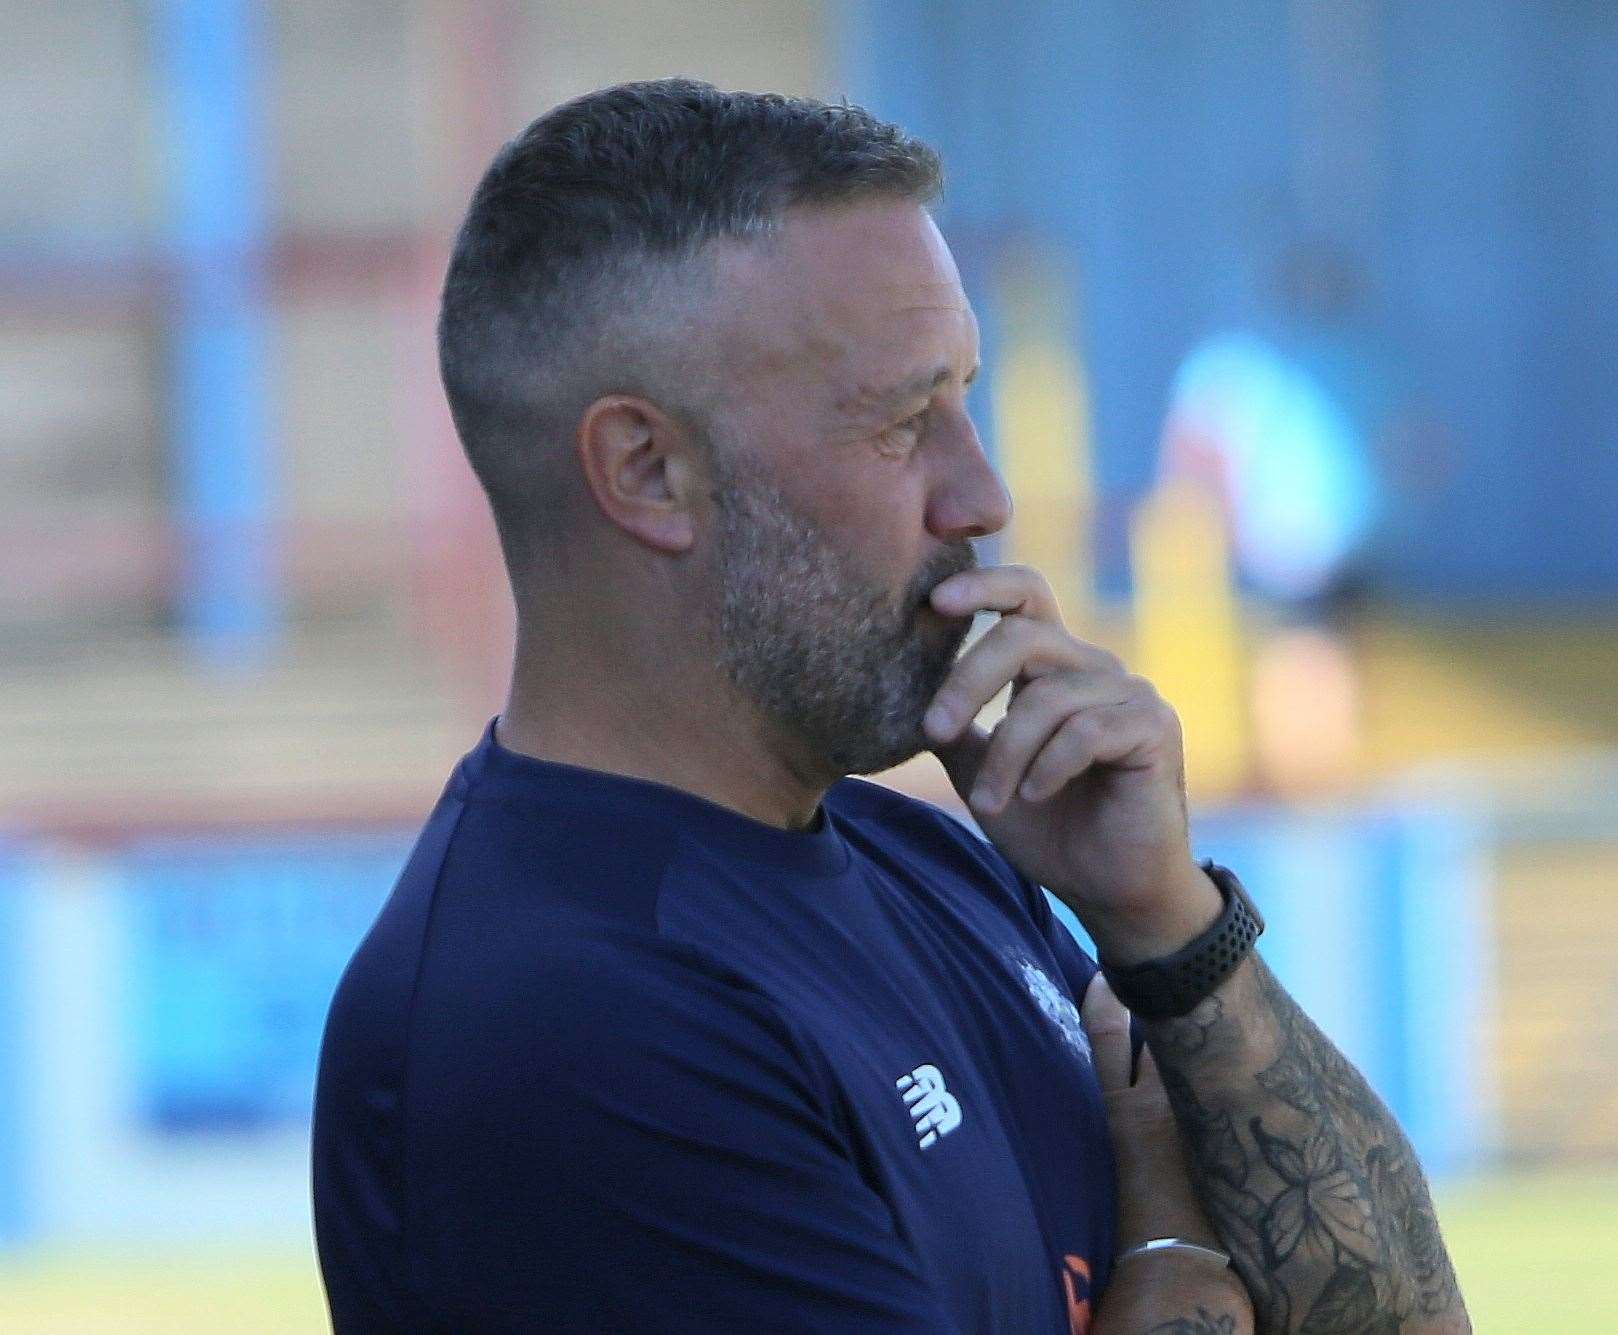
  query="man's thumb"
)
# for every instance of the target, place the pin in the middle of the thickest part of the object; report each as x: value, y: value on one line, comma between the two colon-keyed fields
x: 1107, y: 1024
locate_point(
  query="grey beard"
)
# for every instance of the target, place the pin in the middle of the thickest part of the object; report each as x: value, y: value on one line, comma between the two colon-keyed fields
x: 828, y: 656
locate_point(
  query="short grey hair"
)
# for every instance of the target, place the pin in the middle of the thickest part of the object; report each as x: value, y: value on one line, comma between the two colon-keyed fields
x: 583, y: 238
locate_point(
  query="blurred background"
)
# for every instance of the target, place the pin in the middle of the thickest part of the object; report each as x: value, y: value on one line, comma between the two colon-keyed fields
x: 1300, y: 330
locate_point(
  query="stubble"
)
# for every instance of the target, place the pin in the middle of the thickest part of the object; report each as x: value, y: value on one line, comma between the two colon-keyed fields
x: 825, y: 652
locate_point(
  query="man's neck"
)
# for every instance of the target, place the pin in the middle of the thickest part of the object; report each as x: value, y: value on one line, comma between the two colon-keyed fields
x: 716, y: 749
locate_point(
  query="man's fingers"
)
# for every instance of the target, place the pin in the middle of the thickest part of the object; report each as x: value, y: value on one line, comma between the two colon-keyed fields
x: 1040, y: 709
x: 1014, y: 647
x: 962, y: 758
x: 997, y: 589
x: 1107, y: 1023
x: 1108, y: 736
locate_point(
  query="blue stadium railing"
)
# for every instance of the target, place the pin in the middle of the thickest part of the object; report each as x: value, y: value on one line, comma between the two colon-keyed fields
x: 169, y: 997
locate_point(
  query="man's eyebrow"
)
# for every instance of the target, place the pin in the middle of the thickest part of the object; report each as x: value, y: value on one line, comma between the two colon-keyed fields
x: 917, y: 386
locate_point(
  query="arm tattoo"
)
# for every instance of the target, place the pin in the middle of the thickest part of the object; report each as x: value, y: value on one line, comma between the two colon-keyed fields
x: 1203, y: 1323
x: 1304, y: 1172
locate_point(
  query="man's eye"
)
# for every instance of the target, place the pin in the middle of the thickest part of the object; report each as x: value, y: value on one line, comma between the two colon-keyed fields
x: 902, y: 435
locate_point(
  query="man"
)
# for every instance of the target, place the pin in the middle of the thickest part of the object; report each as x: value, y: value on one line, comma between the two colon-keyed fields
x: 669, y: 1025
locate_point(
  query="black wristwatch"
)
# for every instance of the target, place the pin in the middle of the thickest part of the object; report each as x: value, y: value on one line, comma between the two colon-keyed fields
x: 1162, y: 989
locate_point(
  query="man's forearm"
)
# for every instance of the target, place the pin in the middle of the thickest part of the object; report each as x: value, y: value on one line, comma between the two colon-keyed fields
x: 1304, y: 1172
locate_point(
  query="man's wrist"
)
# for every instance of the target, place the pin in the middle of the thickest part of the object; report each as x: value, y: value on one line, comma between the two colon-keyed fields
x: 1132, y: 936
x: 1204, y: 1253
x: 1146, y: 1210
x: 1172, y: 985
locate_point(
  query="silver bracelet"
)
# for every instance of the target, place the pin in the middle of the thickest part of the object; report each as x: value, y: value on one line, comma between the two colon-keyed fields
x: 1218, y: 1257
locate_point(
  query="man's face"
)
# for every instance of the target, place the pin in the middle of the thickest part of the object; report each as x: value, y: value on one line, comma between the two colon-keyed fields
x: 849, y: 478
x: 826, y: 650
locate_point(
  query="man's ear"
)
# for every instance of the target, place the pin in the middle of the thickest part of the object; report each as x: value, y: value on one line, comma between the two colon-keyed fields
x: 642, y: 468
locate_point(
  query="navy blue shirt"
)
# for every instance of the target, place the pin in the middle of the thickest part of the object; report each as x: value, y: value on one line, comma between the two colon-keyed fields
x: 615, y: 1058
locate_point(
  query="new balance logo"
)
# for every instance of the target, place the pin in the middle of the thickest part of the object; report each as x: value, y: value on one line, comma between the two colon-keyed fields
x: 936, y: 1111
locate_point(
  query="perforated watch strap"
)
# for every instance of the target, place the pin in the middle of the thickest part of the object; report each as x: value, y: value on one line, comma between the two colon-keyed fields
x: 1162, y: 989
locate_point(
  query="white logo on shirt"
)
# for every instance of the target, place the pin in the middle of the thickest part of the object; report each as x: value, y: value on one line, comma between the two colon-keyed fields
x: 1054, y: 1003
x: 936, y: 1111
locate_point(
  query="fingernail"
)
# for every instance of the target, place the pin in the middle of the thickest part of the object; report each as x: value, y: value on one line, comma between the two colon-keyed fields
x: 939, y: 721
x: 1027, y: 791
x: 982, y: 799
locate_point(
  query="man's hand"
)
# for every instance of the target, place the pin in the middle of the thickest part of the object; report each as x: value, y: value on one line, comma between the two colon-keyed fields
x: 1303, y: 1172
x: 1156, y: 1198
x: 1082, y: 784
x: 1170, y: 1291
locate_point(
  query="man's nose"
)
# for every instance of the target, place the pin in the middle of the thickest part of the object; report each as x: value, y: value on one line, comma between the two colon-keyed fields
x: 968, y: 500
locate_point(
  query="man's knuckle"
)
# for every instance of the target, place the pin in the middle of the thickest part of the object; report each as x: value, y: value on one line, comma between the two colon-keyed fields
x: 1009, y: 736
x: 1139, y: 687
x: 1082, y: 731
x: 971, y: 673
x: 1023, y: 630
x: 1048, y: 692
x: 1107, y: 661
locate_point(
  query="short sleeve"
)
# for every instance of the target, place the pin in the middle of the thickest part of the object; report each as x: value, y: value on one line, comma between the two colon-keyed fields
x: 653, y: 1150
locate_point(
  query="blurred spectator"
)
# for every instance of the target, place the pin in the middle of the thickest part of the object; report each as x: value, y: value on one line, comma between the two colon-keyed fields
x: 1287, y: 428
